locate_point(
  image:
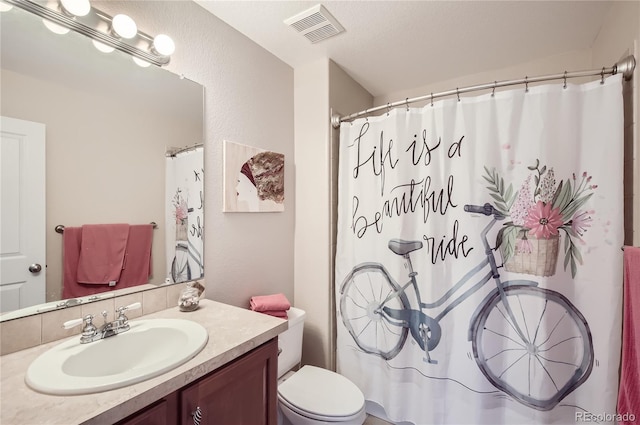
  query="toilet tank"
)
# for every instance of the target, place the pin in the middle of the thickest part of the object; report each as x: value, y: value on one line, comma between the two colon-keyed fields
x: 290, y: 342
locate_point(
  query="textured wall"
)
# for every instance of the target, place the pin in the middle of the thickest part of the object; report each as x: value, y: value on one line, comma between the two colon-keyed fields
x: 248, y: 100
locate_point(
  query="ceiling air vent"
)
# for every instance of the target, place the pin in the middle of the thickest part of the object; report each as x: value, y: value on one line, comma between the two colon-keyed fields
x: 316, y: 24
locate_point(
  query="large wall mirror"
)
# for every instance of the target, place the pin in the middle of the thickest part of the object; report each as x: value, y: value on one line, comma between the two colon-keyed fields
x: 109, y: 124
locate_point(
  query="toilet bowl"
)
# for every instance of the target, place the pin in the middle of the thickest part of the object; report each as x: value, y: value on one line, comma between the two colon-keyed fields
x: 312, y: 395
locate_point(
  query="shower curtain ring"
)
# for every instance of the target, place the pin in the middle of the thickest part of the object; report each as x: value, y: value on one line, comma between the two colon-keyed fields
x: 388, y: 108
x: 493, y: 92
x: 407, y: 100
x: 526, y: 84
x: 565, y: 80
x: 432, y: 99
x: 458, y: 94
x: 602, y: 76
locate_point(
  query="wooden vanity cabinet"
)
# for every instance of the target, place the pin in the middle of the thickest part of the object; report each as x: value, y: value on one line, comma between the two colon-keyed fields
x: 243, y: 392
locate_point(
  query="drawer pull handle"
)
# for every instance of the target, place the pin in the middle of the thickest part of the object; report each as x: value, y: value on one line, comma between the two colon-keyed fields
x: 197, y: 416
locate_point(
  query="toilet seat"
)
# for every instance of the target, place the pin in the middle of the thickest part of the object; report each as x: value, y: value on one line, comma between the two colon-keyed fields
x: 321, y: 395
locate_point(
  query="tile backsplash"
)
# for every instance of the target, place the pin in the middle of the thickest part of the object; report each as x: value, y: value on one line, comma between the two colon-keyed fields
x: 26, y: 332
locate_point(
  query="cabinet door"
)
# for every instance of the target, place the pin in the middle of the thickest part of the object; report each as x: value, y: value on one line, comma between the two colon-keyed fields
x: 241, y: 393
x: 160, y: 413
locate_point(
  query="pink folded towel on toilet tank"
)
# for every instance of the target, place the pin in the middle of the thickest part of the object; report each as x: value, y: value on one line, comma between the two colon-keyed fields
x: 282, y: 314
x: 271, y: 303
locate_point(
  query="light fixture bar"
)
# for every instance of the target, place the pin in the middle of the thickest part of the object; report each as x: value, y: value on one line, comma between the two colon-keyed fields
x: 74, y: 24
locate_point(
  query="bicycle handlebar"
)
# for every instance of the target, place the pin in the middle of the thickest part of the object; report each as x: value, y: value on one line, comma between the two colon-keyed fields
x: 486, y: 209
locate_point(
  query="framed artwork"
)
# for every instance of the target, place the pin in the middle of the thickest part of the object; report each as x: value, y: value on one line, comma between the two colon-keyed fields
x: 253, y: 179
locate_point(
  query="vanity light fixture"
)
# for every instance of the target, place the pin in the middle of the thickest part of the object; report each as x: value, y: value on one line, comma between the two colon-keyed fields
x: 163, y: 45
x: 102, y: 47
x: 117, y: 32
x: 140, y: 62
x: 75, y: 7
x: 123, y: 26
x: 55, y: 28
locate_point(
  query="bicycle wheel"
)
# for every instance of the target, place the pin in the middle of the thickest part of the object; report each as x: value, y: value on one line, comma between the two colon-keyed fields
x: 180, y: 269
x: 554, y: 357
x: 362, y: 295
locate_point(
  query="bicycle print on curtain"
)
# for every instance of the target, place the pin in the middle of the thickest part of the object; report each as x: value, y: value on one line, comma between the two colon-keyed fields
x: 478, y: 267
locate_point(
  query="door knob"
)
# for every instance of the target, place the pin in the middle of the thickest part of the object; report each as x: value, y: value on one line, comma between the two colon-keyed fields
x: 35, y: 268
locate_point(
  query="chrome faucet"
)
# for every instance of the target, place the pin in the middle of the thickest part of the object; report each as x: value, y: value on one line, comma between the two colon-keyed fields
x: 92, y: 333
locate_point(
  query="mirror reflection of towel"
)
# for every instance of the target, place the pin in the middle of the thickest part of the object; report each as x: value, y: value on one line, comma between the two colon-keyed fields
x: 136, y: 261
x: 137, y: 266
x: 102, y: 253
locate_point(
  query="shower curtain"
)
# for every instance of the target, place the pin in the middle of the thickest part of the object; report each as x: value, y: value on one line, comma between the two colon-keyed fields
x: 478, y: 266
x: 184, y: 215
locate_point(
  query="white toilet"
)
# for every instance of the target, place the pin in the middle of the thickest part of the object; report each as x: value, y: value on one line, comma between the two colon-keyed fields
x: 312, y: 395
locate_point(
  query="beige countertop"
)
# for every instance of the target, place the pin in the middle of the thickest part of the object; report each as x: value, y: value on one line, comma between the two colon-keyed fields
x: 233, y: 331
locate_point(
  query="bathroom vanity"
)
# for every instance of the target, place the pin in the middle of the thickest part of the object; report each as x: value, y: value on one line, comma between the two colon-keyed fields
x: 241, y: 392
x: 232, y: 380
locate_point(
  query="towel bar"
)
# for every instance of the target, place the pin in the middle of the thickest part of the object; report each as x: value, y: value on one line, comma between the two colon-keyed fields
x: 60, y: 228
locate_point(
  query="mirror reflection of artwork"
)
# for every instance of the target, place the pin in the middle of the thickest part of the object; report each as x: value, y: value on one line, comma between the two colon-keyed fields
x: 253, y: 179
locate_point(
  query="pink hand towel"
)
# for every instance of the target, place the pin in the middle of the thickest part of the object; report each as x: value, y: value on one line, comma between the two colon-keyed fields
x: 629, y: 393
x: 137, y: 266
x: 269, y: 302
x: 282, y: 314
x: 71, y: 240
x: 102, y: 253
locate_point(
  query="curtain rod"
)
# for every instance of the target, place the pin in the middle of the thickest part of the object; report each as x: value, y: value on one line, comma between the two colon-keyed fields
x: 625, y: 66
x: 171, y: 152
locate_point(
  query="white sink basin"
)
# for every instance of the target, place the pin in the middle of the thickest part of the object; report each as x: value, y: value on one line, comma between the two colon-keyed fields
x: 150, y: 348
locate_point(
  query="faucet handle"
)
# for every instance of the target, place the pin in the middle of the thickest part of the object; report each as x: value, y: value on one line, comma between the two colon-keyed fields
x: 121, y: 316
x: 133, y: 306
x: 75, y: 322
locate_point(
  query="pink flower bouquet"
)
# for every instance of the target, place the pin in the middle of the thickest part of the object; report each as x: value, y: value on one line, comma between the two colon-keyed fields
x: 540, y: 211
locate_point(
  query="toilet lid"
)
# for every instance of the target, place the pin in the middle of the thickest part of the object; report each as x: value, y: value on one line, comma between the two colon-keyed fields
x: 322, y: 392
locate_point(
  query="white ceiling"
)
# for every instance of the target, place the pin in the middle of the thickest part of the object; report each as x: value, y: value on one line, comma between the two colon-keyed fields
x: 390, y: 46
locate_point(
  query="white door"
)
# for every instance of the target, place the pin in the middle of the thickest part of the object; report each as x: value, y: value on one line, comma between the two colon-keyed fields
x: 22, y: 214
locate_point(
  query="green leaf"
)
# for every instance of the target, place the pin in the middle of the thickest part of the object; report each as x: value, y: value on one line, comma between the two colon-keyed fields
x: 573, y: 207
x: 564, y: 197
x: 496, y: 197
x: 499, y: 237
x: 567, y: 257
x: 507, y: 195
x: 537, y: 180
x: 508, y: 241
x: 567, y: 244
x: 574, y: 268
x: 544, y: 169
x: 555, y: 195
x: 577, y: 254
x: 512, y: 200
x: 571, y: 232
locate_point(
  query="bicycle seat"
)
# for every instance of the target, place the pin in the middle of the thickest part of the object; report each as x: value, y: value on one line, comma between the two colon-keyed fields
x: 401, y: 247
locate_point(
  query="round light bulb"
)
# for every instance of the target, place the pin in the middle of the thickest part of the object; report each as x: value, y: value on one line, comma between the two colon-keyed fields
x: 102, y: 47
x: 140, y: 62
x: 76, y: 7
x: 4, y: 7
x: 55, y: 28
x: 124, y: 26
x: 163, y: 45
